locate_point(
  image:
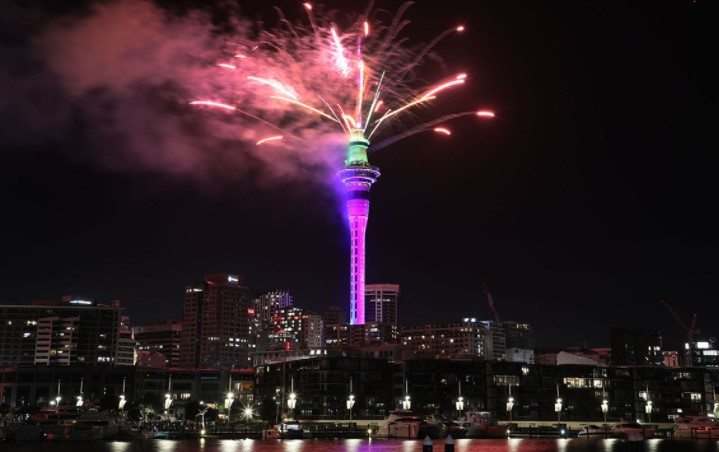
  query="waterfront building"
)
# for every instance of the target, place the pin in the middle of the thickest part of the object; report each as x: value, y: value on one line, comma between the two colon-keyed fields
x: 160, y: 337
x: 519, y: 341
x: 636, y: 347
x: 382, y: 303
x: 702, y: 353
x: 216, y: 327
x: 370, y: 333
x: 39, y: 332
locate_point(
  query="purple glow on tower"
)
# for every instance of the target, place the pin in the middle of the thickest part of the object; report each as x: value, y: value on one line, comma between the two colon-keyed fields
x: 357, y: 177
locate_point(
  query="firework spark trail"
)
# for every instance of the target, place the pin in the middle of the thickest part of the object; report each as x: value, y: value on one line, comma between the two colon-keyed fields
x: 418, y: 129
x: 312, y: 77
x: 268, y: 139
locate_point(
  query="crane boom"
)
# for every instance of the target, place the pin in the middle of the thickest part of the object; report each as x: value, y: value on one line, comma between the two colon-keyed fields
x: 490, y: 302
x: 676, y: 316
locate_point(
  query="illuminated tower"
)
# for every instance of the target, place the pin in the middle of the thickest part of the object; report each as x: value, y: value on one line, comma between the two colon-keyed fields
x: 357, y: 176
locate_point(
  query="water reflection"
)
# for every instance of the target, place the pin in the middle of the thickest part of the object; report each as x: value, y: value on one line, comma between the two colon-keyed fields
x: 293, y: 445
x: 166, y: 445
x: 120, y: 446
x: 514, y: 444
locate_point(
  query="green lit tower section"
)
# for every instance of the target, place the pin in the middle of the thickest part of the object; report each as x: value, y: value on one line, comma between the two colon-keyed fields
x: 357, y: 176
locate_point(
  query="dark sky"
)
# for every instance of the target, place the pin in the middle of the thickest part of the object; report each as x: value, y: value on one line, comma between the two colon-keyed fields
x: 591, y: 196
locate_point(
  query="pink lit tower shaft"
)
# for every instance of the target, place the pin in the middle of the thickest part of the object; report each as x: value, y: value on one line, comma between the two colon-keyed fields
x: 357, y: 176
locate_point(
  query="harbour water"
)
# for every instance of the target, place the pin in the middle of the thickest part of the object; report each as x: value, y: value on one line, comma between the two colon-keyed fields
x: 374, y: 445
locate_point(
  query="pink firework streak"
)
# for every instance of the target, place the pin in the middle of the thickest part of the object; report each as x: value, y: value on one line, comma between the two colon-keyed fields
x: 312, y: 79
x: 269, y: 139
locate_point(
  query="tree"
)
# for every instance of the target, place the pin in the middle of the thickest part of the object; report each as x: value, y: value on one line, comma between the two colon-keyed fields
x: 192, y: 409
x: 268, y: 409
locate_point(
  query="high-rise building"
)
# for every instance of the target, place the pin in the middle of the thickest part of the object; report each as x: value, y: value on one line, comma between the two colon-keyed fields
x: 216, y: 327
x: 161, y: 337
x: 126, y: 345
x: 495, y: 340
x: 293, y: 328
x: 30, y: 333
x: 519, y: 342
x: 264, y: 316
x: 636, y: 347
x: 382, y: 303
x: 357, y: 176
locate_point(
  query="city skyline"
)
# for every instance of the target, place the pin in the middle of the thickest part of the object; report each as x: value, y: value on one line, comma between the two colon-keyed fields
x: 584, y: 203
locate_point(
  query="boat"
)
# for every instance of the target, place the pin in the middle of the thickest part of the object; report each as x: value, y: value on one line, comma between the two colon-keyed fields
x: 290, y: 429
x: 594, y: 431
x: 400, y: 424
x: 441, y: 427
x: 633, y: 431
x: 696, y: 427
x: 481, y: 424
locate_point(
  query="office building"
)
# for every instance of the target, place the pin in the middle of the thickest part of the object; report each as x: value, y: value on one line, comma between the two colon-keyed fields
x: 216, y: 327
x: 382, y: 303
x: 162, y: 337
x: 334, y: 316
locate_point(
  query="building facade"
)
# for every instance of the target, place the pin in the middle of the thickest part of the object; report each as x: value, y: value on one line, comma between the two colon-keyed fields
x: 162, y: 337
x: 39, y: 332
x: 636, y: 347
x: 216, y: 327
x: 382, y: 303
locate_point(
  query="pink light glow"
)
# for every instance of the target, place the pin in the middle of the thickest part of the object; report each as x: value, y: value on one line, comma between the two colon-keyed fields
x: 268, y: 139
x: 211, y: 103
x: 281, y: 88
x: 461, y: 76
x: 239, y: 55
x: 485, y: 114
x: 227, y: 66
x: 442, y: 130
x: 377, y: 107
x: 366, y: 28
x: 460, y: 28
x: 308, y: 6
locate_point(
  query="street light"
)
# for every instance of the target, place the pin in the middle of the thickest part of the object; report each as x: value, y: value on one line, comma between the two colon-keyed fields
x: 122, y: 402
x: 558, y: 406
x: 605, y: 409
x: 459, y: 404
x: 229, y: 400
x: 407, y: 402
x: 350, y: 400
x: 79, y: 401
x: 248, y: 412
x: 648, y: 406
x: 510, y: 403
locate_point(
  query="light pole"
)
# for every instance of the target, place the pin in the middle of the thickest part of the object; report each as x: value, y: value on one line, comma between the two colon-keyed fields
x: 510, y: 403
x: 350, y: 400
x: 292, y: 399
x: 459, y: 404
x: 648, y: 406
x: 605, y: 402
x: 168, y: 397
x: 122, y: 402
x: 558, y: 406
x: 58, y: 397
x: 248, y: 412
x: 230, y: 397
x: 407, y: 402
x: 79, y: 401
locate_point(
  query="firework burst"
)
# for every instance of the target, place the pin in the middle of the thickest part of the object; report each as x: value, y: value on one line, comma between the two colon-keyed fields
x: 356, y: 81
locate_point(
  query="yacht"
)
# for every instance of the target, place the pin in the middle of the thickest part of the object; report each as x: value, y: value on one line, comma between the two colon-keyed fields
x: 593, y: 430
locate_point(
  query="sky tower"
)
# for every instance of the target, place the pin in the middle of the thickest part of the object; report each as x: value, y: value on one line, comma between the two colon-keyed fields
x: 357, y: 176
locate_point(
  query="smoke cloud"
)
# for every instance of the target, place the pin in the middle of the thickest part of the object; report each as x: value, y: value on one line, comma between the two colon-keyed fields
x: 110, y: 86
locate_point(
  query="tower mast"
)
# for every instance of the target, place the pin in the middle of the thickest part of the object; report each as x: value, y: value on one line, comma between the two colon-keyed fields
x: 357, y: 176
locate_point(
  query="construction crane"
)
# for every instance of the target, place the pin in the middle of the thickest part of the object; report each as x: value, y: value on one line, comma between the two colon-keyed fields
x: 690, y: 329
x: 490, y: 302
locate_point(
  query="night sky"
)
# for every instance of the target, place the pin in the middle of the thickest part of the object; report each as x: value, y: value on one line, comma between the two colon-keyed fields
x: 591, y: 196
